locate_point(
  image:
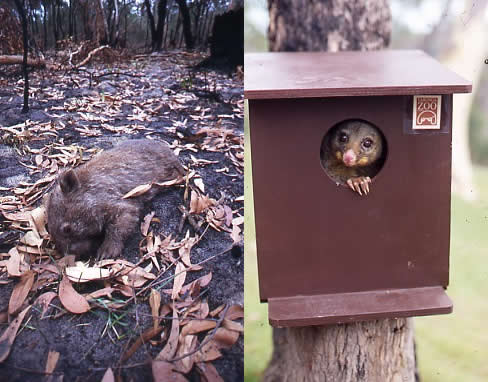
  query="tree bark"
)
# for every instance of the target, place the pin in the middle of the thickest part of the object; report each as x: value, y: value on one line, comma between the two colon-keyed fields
x: 15, y: 60
x: 367, y: 351
x: 331, y: 25
x: 156, y: 30
x: 160, y: 27
x: 380, y: 350
x: 185, y: 15
x: 23, y: 17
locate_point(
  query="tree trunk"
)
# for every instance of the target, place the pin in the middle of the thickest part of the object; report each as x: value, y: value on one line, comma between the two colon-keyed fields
x: 331, y: 25
x: 22, y: 12
x: 54, y: 24
x: 44, y: 22
x: 160, y: 28
x: 367, y: 351
x: 185, y: 15
x: 115, y: 39
x: 103, y: 28
x: 380, y: 350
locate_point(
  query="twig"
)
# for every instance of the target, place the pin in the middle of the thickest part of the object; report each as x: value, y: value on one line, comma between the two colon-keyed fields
x: 90, y: 55
x: 206, y: 340
x: 118, y: 74
x: 32, y: 371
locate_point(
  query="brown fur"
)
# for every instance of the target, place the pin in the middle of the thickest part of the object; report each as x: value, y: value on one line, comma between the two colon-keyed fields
x: 86, y: 212
x: 369, y: 160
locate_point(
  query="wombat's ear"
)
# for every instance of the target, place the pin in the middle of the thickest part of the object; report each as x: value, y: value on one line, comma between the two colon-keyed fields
x: 68, y: 181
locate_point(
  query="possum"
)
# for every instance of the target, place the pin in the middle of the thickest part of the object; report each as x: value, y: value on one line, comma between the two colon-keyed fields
x: 86, y: 214
x: 352, y: 153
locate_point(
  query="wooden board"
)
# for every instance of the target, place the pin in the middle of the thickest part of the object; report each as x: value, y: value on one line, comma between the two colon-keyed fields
x: 323, y: 74
x: 359, y: 306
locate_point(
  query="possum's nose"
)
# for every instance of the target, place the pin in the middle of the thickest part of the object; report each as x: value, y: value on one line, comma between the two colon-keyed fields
x: 349, y: 158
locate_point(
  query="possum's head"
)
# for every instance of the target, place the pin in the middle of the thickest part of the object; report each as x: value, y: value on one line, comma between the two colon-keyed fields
x: 356, y: 143
x: 71, y: 219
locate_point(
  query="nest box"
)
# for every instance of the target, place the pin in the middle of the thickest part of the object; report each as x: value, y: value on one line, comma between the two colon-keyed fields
x: 325, y: 254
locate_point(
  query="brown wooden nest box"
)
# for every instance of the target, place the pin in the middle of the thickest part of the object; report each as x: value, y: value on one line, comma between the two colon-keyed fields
x: 326, y: 254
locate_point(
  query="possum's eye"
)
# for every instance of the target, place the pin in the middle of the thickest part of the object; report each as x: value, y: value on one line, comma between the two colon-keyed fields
x: 367, y: 143
x: 343, y: 138
x: 66, y: 229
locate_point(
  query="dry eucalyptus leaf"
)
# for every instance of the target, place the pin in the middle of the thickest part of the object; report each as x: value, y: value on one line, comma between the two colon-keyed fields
x: 39, y: 220
x: 209, y: 372
x: 8, y: 336
x: 20, y: 292
x: 155, y: 303
x: 52, y: 360
x: 169, y: 349
x: 108, y: 376
x: 146, y: 223
x: 179, y: 280
x: 163, y: 372
x: 13, y: 264
x: 137, y: 191
x: 225, y: 338
x: 209, y: 352
x: 71, y: 299
x: 236, y: 234
x: 188, y: 343
x: 232, y: 325
x: 199, y: 203
x: 203, y: 281
x: 100, y: 293
x: 234, y: 312
x: 197, y: 326
x: 238, y: 220
x: 199, y: 183
x: 82, y: 274
x: 185, y: 249
x: 143, y: 338
x: 44, y: 300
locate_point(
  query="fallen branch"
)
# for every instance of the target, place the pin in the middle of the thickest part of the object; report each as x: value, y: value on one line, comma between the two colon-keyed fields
x: 15, y: 60
x: 90, y: 55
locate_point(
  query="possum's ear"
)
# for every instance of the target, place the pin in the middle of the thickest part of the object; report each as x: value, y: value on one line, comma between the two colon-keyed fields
x: 68, y: 181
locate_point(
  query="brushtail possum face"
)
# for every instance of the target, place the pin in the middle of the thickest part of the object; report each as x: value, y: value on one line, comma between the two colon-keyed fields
x: 357, y: 144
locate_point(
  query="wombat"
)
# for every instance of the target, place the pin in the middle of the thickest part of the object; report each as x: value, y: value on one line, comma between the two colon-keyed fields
x: 86, y: 214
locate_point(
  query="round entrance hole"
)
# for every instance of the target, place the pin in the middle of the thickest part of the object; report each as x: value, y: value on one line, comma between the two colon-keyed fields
x: 353, y: 152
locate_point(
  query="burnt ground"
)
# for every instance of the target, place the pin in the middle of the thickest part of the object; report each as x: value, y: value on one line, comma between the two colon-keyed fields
x: 162, y: 99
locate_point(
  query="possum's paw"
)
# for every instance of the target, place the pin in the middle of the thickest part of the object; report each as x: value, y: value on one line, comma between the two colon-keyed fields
x: 359, y: 184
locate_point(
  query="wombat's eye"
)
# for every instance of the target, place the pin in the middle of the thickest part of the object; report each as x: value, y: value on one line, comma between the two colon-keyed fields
x: 66, y: 229
x: 343, y: 138
x: 367, y: 143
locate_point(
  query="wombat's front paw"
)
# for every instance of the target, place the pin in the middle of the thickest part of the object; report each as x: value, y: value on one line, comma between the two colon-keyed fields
x: 109, y: 250
x: 359, y: 184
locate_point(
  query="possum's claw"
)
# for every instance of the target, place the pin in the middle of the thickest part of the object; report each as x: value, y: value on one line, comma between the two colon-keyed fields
x: 359, y: 184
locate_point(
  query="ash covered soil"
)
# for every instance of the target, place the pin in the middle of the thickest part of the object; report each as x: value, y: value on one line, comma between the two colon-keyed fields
x: 200, y: 114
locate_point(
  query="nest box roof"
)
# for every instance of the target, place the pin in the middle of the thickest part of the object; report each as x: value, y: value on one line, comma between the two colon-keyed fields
x: 325, y: 74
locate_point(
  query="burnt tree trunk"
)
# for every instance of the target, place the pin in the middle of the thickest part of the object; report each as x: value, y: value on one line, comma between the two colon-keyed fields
x: 186, y: 19
x: 380, y: 350
x: 20, y: 4
x: 44, y: 25
x: 156, y: 30
x: 158, y: 42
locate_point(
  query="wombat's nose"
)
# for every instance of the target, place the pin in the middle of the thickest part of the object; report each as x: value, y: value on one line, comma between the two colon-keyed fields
x: 66, y: 229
